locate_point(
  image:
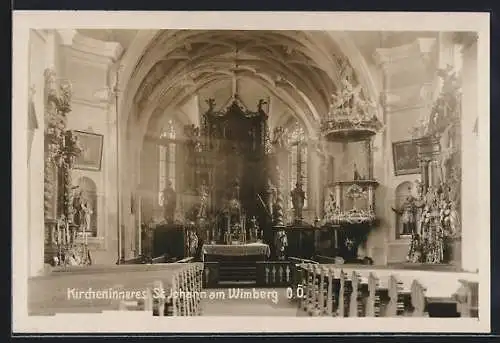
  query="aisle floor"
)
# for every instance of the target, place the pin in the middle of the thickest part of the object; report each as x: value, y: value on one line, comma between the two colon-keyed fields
x: 249, y: 302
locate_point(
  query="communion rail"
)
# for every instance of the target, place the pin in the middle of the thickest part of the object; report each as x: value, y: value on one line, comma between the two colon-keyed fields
x: 329, y: 290
x: 161, y: 289
x: 267, y: 274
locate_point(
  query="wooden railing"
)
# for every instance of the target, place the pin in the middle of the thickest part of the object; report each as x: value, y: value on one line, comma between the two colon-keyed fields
x: 276, y: 274
x: 329, y: 290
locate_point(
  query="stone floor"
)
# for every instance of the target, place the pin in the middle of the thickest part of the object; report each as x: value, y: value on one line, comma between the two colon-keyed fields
x: 248, y: 302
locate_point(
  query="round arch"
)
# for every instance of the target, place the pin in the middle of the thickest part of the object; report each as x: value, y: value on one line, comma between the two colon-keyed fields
x: 148, y: 48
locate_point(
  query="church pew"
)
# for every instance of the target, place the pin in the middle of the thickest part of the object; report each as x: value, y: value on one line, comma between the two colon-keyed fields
x: 188, y: 280
x: 49, y: 294
x: 387, y: 293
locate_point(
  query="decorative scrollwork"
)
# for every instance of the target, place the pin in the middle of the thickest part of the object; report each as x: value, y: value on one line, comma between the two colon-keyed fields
x: 351, y: 115
x: 355, y: 192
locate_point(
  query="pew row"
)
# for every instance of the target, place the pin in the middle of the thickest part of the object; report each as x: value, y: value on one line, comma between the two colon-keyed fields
x: 162, y: 289
x: 329, y: 290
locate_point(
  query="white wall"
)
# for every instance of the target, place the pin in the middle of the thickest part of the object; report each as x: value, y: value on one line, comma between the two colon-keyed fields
x: 38, y: 43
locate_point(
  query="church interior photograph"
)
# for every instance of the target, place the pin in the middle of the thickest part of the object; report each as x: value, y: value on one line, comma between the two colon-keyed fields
x: 315, y: 173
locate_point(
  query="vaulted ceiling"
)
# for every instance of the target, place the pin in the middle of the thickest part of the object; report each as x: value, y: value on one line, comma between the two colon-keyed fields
x: 296, y: 70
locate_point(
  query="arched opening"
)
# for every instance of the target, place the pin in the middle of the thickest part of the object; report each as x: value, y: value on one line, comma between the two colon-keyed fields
x: 179, y: 78
x: 403, y: 191
x: 88, y: 190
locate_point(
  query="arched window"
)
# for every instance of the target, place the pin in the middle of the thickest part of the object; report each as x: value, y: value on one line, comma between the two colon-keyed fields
x: 89, y: 194
x: 297, y: 160
x: 166, y: 159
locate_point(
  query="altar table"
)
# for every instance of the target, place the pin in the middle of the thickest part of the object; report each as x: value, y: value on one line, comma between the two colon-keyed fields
x: 236, y: 250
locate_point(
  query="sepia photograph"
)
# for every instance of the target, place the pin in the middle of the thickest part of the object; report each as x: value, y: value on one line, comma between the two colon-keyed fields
x: 249, y: 176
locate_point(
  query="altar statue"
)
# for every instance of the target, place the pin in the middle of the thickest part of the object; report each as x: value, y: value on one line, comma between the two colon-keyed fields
x: 169, y: 202
x: 298, y: 198
x: 281, y: 244
x: 408, y: 214
x: 279, y: 137
x: 254, y: 231
x: 356, y: 175
x: 202, y: 212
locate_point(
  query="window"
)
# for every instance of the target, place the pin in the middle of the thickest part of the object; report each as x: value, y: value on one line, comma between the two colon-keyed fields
x: 298, y: 158
x: 166, y: 160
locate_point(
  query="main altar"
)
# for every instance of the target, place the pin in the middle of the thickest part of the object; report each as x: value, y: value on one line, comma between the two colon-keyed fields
x: 221, y: 209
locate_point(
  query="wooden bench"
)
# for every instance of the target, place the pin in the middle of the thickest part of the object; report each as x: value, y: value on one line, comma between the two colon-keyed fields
x: 330, y: 290
x: 152, y: 286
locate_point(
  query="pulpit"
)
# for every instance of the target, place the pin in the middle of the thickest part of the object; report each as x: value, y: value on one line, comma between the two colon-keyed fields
x: 350, y: 204
x: 351, y: 215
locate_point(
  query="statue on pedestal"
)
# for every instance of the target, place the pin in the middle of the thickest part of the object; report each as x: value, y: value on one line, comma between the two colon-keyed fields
x: 255, y: 230
x: 281, y: 244
x: 408, y: 212
x: 169, y: 203
x: 298, y: 198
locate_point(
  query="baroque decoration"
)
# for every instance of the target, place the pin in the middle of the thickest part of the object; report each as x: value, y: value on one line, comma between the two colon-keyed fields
x: 439, y: 197
x: 351, y: 116
x: 61, y: 151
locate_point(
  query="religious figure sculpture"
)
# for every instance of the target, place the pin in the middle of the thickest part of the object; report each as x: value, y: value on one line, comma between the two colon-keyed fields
x: 169, y: 202
x: 192, y: 243
x: 255, y: 229
x: 87, y: 215
x: 281, y: 244
x: 356, y: 175
x: 408, y: 214
x: 331, y: 207
x: 298, y: 197
x: 203, y: 192
x: 77, y: 206
x: 279, y: 137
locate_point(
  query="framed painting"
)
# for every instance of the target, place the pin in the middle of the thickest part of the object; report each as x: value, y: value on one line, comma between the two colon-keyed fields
x: 405, y: 155
x: 91, y: 145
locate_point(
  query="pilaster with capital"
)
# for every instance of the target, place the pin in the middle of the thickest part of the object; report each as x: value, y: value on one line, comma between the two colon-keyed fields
x: 87, y: 62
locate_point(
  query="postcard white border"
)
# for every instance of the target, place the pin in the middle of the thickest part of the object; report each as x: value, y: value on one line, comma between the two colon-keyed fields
x: 23, y: 21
